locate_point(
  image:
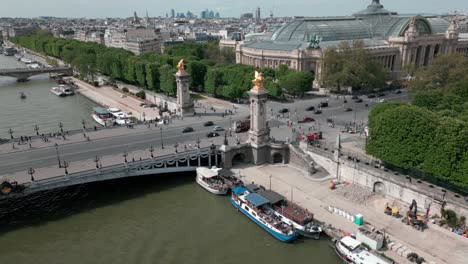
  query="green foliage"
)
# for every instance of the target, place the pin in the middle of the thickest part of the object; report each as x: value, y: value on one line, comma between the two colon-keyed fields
x: 297, y: 83
x: 197, y: 72
x: 152, y: 76
x: 167, y: 80
x: 141, y: 94
x: 273, y: 87
x: 125, y: 90
x: 214, y: 80
x: 351, y: 65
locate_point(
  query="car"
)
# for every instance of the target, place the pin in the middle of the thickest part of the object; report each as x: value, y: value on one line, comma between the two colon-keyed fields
x: 187, y: 130
x: 323, y: 104
x: 145, y: 106
x: 123, y: 96
x: 209, y: 123
x: 306, y: 120
x: 354, y: 97
x: 348, y: 109
x: 380, y: 94
x: 283, y: 111
x: 397, y: 92
x: 382, y: 101
x: 318, y: 111
x: 371, y: 96
x: 142, y: 104
x: 212, y: 134
x: 359, y: 100
x: 218, y: 128
x: 310, y: 108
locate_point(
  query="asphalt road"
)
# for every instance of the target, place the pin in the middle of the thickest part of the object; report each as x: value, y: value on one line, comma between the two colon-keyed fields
x: 44, y: 157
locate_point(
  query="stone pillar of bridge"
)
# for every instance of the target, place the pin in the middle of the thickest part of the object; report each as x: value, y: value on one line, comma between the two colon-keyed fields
x: 184, y: 102
x: 259, y: 133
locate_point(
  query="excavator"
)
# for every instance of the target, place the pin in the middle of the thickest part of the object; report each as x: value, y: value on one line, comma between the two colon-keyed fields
x: 393, y: 211
x: 413, y: 219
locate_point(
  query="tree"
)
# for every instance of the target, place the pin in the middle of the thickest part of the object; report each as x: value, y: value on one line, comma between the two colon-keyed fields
x: 167, y: 80
x: 197, y: 72
x: 152, y: 76
x: 214, y: 79
x: 297, y: 83
x: 273, y: 87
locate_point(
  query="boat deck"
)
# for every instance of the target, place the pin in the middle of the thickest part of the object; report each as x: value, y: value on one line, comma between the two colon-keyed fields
x: 294, y: 212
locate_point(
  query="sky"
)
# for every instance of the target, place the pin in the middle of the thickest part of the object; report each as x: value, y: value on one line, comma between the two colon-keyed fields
x: 226, y: 8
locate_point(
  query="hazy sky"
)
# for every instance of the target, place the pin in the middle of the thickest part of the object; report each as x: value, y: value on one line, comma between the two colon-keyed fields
x: 231, y: 8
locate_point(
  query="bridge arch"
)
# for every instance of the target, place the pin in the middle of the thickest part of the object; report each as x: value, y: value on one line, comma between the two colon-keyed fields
x: 379, y: 188
x: 238, y: 159
x: 277, y: 158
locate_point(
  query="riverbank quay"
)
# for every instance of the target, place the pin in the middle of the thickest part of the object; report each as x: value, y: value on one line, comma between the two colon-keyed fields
x: 435, y: 244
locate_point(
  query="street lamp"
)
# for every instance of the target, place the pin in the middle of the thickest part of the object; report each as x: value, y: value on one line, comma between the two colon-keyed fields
x: 61, y: 127
x: 162, y: 143
x: 96, y: 159
x: 36, y: 127
x: 125, y: 154
x: 225, y: 139
x: 58, y: 156
x: 83, y: 123
x: 151, y: 150
x: 144, y: 115
x: 198, y: 142
x: 31, y: 172
x: 10, y: 131
x: 175, y: 146
x: 65, y: 165
x: 270, y: 180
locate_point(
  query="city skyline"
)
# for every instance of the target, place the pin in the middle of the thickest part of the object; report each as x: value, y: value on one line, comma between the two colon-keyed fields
x: 120, y: 8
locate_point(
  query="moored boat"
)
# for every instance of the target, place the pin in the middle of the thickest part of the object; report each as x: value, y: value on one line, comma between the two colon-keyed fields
x: 22, y: 95
x: 210, y: 180
x: 66, y: 90
x: 57, y: 91
x: 102, y: 116
x: 258, y: 210
x: 352, y: 252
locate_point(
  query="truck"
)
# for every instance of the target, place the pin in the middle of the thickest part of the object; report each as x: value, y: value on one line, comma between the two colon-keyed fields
x: 241, y: 125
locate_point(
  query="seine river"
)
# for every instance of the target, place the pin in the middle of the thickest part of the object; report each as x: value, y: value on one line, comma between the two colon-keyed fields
x: 40, y: 107
x: 153, y: 219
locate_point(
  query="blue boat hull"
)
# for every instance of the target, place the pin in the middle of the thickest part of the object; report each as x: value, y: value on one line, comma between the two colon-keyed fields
x: 281, y: 237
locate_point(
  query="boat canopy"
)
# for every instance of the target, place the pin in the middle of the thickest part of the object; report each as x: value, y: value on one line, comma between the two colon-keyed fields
x: 252, y: 187
x: 271, y: 196
x: 101, y: 111
x: 207, y: 173
x: 239, y: 190
x: 256, y: 199
x: 350, y: 242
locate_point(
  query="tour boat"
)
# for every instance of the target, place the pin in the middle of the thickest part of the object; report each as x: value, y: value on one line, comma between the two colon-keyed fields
x: 351, y: 251
x: 26, y: 60
x: 121, y: 118
x: 66, y: 89
x: 57, y: 91
x: 258, y: 210
x: 210, y: 180
x: 9, y: 51
x: 102, y: 116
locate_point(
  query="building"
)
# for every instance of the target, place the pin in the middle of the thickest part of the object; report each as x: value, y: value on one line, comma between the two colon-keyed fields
x: 257, y: 14
x: 394, y: 40
x: 141, y: 46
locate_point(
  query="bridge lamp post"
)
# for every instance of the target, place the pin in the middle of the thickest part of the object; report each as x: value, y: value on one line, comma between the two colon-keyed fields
x: 61, y: 127
x: 270, y: 180
x: 125, y: 154
x: 10, y: 131
x: 198, y: 142
x: 144, y: 116
x: 31, y: 172
x: 162, y: 143
x: 36, y: 127
x: 225, y: 139
x: 58, y: 155
x: 151, y: 150
x: 65, y: 165
x: 175, y: 146
x: 96, y: 159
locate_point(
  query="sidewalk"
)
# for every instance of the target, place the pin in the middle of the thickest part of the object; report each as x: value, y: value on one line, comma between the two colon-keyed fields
x: 434, y: 244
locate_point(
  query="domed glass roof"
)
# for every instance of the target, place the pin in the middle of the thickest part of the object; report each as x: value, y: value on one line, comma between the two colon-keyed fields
x: 375, y: 8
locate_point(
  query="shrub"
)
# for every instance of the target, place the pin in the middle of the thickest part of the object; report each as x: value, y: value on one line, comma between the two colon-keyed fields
x: 125, y: 90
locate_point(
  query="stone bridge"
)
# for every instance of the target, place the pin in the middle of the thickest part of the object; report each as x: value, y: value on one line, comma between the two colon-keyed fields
x: 178, y: 162
x: 23, y: 74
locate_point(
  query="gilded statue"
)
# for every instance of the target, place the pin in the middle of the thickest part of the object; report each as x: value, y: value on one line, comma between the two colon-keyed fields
x: 181, y: 66
x: 258, y: 81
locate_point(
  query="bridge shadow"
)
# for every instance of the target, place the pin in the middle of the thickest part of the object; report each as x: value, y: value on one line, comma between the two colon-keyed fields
x: 47, y: 206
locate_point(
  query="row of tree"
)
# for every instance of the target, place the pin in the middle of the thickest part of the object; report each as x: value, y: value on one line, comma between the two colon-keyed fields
x: 212, y: 70
x: 431, y: 134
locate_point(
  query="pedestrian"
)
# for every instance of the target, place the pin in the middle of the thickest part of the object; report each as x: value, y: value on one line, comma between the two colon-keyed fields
x: 185, y: 147
x: 190, y: 146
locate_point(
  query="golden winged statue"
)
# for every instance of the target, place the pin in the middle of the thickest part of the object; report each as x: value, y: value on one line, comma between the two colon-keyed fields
x: 258, y: 81
x: 181, y: 66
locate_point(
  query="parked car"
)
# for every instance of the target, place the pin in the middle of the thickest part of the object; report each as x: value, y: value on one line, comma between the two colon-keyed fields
x: 306, y: 120
x: 348, y: 109
x: 209, y: 123
x: 318, y: 111
x: 382, y: 101
x: 359, y: 100
x: 212, y: 134
x: 380, y: 94
x: 323, y: 104
x: 187, y: 130
x: 371, y: 96
x: 283, y: 111
x: 397, y: 92
x: 310, y: 108
x: 354, y: 97
x: 218, y: 128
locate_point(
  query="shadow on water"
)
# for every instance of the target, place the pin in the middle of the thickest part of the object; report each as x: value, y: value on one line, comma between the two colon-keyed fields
x: 42, y: 207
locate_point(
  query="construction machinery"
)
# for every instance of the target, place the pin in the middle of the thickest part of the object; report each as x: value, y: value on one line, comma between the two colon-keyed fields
x: 393, y: 211
x: 412, y: 218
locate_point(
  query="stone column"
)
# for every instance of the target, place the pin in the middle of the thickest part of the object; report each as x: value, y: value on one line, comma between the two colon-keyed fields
x: 259, y: 133
x: 184, y: 102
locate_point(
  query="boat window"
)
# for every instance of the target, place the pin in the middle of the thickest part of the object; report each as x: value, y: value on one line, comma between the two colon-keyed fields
x: 254, y: 214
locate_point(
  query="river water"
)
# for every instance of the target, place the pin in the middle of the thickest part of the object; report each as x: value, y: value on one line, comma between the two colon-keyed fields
x: 152, y: 219
x: 40, y: 107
